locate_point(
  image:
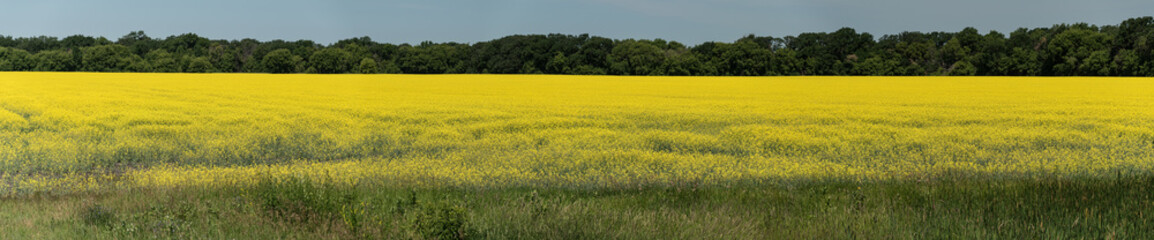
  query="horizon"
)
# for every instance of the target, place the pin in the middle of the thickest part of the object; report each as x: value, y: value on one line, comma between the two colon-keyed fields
x: 404, y: 22
x: 876, y: 36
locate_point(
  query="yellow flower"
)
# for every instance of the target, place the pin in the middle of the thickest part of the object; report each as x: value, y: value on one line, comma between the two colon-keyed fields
x: 84, y: 131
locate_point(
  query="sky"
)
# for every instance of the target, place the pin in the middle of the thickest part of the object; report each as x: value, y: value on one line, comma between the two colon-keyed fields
x: 470, y: 21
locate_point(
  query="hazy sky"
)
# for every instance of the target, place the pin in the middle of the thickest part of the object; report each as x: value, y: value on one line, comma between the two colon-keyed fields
x: 413, y: 21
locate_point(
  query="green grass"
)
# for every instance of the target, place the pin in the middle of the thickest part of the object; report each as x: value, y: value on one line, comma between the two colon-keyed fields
x: 1048, y: 208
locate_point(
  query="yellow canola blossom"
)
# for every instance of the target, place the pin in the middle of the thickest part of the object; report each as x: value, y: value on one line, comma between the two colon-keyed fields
x: 84, y: 131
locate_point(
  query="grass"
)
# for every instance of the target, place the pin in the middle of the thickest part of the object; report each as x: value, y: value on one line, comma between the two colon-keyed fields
x: 87, y: 155
x: 1118, y: 208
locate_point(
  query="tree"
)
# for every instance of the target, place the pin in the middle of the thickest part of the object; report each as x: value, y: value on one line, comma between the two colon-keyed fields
x: 281, y: 61
x: 963, y: 68
x: 75, y: 42
x: 558, y: 64
x: 991, y: 48
x: 367, y: 66
x: 1067, y: 52
x: 632, y: 57
x: 684, y: 63
x: 107, y: 58
x: 1023, y: 62
x: 12, y: 59
x: 954, y: 51
x: 188, y: 43
x: 160, y: 60
x: 587, y: 70
x: 390, y: 67
x: 139, y: 42
x: 37, y: 44
x: 331, y: 60
x: 199, y: 65
x: 594, y: 53
x: 785, y: 62
x: 224, y: 58
x: 744, y: 58
x: 431, y: 58
x: 876, y: 66
x: 1096, y: 64
x: 1126, y: 49
x: 1128, y: 63
x: 922, y: 55
x: 55, y: 60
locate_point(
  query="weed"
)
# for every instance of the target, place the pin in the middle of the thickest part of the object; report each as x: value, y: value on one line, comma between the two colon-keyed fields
x: 441, y: 220
x: 98, y: 215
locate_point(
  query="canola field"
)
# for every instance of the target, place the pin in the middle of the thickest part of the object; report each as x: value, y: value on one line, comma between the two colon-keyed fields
x: 66, y: 132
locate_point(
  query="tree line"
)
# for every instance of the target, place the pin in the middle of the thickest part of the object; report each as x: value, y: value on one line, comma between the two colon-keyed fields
x: 1080, y: 49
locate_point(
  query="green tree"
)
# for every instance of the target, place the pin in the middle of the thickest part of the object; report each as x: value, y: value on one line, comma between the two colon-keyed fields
x: 224, y: 58
x: 75, y: 42
x: 586, y: 70
x: 12, y: 59
x: 785, y: 62
x: 55, y: 60
x: 1067, y: 51
x: 963, y: 68
x: 1096, y: 64
x: 989, y: 50
x: 199, y: 65
x: 161, y: 61
x: 1079, y: 49
x: 37, y: 44
x: 331, y: 60
x: 281, y: 61
x: 632, y: 57
x: 1128, y: 63
x: 188, y: 43
x: 139, y: 42
x: 954, y: 51
x: 684, y: 63
x: 1023, y: 62
x: 876, y: 66
x: 107, y: 58
x: 390, y: 67
x: 745, y: 58
x: 558, y: 64
x: 431, y: 58
x: 367, y: 66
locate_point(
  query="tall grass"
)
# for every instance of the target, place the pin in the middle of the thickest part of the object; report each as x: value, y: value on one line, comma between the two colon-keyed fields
x: 1048, y: 207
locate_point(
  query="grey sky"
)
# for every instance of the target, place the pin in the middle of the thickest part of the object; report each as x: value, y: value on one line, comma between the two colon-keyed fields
x: 413, y: 21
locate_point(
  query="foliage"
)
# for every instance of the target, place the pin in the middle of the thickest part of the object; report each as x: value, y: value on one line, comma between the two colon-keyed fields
x: 55, y: 60
x: 281, y: 61
x: 13, y: 59
x: 366, y: 66
x: 1061, y: 50
x: 199, y: 65
x: 331, y: 60
x: 109, y: 58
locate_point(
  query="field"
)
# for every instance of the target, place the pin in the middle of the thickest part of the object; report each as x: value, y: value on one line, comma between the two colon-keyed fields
x: 540, y: 156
